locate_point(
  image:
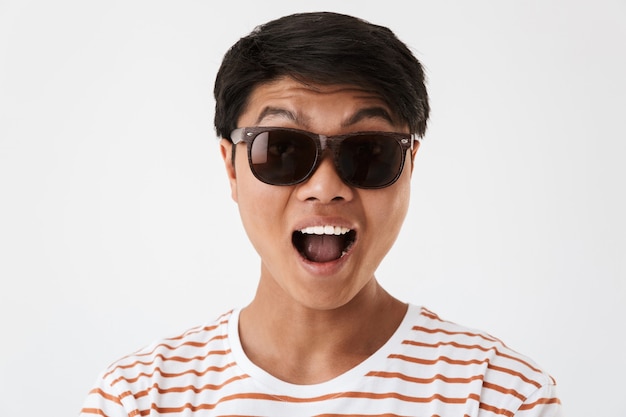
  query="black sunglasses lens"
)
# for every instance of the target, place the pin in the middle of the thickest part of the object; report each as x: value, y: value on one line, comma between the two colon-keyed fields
x: 370, y: 161
x: 282, y: 157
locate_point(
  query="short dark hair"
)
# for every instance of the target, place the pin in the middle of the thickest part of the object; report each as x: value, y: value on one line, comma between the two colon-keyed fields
x: 324, y: 48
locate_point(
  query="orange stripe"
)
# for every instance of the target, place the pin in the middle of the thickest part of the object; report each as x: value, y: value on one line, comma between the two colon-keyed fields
x: 515, y: 373
x: 495, y: 410
x: 189, y: 343
x: 465, y: 362
x: 451, y: 333
x: 433, y: 316
x: 93, y: 411
x: 439, y: 359
x: 105, y: 395
x: 201, y: 329
x: 440, y: 377
x: 165, y: 359
x: 395, y: 395
x: 225, y: 315
x: 283, y: 398
x: 437, y: 377
x: 364, y: 415
x: 504, y: 390
x: 540, y: 401
x: 426, y: 312
x: 174, y: 375
x: 338, y: 415
x: 99, y: 412
x: 198, y: 329
x: 469, y: 347
x: 207, y: 387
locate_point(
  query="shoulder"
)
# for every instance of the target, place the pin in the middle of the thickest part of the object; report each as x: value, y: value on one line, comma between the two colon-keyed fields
x: 173, y: 354
x: 465, y: 352
x: 127, y: 385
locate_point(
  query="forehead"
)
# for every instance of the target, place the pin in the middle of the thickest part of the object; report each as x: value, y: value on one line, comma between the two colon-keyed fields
x: 310, y: 103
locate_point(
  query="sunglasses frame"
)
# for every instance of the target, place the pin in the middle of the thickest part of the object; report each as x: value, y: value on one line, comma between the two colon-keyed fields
x: 322, y: 142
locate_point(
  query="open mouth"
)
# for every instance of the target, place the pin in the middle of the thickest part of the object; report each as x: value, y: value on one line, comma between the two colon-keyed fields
x: 323, y: 243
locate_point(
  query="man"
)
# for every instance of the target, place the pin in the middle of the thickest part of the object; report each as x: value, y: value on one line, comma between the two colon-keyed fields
x: 321, y: 116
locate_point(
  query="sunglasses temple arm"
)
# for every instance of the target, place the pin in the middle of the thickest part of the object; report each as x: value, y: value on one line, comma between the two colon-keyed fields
x: 415, y: 138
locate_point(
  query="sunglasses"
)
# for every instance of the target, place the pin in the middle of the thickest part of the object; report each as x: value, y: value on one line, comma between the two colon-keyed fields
x: 282, y: 156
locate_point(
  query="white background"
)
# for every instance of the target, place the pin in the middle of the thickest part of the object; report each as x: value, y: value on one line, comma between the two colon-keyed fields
x: 116, y: 225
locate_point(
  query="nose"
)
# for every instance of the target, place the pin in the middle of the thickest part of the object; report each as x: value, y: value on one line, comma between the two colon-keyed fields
x: 325, y: 185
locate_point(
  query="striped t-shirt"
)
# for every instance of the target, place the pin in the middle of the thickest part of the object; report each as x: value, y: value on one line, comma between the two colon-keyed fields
x: 429, y: 367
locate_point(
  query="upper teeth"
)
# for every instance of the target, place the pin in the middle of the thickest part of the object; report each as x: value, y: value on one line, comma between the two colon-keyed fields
x: 325, y: 230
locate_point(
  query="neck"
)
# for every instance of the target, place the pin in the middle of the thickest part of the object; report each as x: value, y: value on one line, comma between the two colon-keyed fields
x: 305, y: 345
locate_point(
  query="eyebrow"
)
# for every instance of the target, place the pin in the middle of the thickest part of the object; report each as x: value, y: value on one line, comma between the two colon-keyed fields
x: 362, y: 114
x: 369, y: 113
x: 280, y: 112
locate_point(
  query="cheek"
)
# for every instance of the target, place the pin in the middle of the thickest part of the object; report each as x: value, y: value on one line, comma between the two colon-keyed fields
x: 254, y: 201
x: 389, y: 211
x: 395, y: 211
x: 261, y: 208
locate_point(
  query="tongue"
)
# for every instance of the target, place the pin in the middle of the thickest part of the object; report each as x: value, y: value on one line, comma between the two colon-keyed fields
x: 322, y: 248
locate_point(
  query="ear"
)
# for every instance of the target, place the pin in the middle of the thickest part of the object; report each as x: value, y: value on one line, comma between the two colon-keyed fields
x: 226, y: 149
x: 416, y: 146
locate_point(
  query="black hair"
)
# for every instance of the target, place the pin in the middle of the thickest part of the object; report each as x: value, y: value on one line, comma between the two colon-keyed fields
x: 324, y: 48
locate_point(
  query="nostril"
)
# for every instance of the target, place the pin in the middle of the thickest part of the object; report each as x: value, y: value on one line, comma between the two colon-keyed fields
x: 325, y: 185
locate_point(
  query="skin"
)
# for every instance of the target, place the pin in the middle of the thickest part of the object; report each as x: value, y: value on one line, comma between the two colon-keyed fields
x: 310, y: 322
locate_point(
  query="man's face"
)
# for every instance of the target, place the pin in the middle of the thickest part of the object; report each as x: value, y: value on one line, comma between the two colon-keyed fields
x: 306, y: 270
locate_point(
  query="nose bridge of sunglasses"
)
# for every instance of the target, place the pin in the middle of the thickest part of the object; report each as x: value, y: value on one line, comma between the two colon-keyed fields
x: 323, y: 142
x: 329, y: 149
